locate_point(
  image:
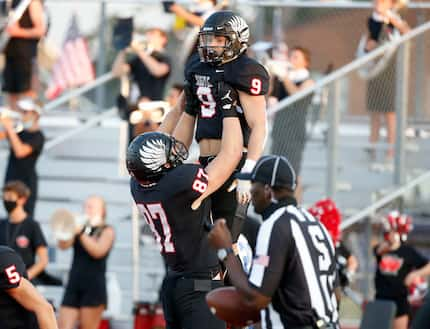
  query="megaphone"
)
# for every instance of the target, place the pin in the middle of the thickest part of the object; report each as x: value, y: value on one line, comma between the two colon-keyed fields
x: 64, y: 224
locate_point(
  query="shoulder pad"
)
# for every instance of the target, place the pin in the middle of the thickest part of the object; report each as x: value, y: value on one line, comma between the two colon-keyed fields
x: 247, y: 75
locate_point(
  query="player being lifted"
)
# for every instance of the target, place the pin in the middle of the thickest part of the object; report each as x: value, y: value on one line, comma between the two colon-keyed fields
x: 222, y: 59
x: 164, y: 189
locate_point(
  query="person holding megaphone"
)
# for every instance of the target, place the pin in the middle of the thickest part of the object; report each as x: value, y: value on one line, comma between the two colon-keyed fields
x: 85, y: 297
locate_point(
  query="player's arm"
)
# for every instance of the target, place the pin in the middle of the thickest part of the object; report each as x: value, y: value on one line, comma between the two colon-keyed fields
x: 184, y: 130
x: 37, y: 18
x: 254, y: 108
x: 173, y: 116
x: 98, y: 247
x: 40, y: 264
x: 28, y: 296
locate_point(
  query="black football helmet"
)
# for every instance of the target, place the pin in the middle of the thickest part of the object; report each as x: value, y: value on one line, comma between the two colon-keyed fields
x: 226, y: 24
x: 151, y: 155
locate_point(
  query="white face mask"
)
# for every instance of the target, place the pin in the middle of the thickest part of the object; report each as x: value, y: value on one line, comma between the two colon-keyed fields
x: 27, y: 124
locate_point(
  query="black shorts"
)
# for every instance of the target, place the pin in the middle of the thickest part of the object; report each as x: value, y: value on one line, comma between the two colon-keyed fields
x: 184, y: 303
x: 17, y: 75
x: 224, y: 203
x: 402, y: 305
x: 85, y: 293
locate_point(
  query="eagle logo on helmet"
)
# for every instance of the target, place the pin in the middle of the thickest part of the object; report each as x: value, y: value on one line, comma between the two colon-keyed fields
x: 239, y: 25
x: 153, y: 154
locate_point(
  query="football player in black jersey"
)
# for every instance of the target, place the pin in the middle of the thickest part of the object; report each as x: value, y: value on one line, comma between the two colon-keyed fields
x: 222, y: 58
x: 164, y: 190
x: 19, y: 300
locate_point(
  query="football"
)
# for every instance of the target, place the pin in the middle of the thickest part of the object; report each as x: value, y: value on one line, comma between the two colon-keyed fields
x: 225, y: 303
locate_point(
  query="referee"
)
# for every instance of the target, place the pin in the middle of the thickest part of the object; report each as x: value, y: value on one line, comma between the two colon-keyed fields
x: 294, y: 267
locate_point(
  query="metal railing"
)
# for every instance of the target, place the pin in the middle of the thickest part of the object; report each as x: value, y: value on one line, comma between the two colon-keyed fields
x: 335, y: 78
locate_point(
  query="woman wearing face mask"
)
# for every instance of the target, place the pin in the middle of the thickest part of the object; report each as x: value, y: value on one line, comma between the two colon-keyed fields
x: 25, y: 148
x: 20, y: 232
x: 85, y: 297
x: 399, y: 266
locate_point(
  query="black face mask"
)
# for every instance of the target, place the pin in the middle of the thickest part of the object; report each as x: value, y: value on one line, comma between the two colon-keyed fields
x: 9, y: 205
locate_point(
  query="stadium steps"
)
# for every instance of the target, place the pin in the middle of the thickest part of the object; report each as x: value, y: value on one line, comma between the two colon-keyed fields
x: 83, y: 165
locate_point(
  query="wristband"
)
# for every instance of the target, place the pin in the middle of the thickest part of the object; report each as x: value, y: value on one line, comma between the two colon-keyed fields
x: 248, y: 166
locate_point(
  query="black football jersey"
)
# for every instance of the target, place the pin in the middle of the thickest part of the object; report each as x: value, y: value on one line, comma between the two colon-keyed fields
x: 179, y: 230
x: 12, y: 270
x: 244, y: 74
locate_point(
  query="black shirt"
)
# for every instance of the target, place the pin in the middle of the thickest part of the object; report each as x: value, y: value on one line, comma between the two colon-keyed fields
x: 342, y: 255
x: 12, y: 314
x: 392, y: 269
x: 166, y: 207
x: 244, y: 74
x: 149, y: 85
x: 24, y: 169
x: 24, y: 238
x: 289, y: 241
x: 22, y: 47
x: 378, y: 29
x: 86, y: 268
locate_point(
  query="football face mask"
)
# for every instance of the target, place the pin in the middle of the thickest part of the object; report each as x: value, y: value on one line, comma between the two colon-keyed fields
x: 213, y: 48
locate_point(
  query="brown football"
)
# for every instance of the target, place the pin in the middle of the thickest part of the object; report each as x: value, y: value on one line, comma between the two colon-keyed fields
x: 225, y: 303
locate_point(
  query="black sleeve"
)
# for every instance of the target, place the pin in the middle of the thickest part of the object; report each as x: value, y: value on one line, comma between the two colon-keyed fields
x: 417, y: 259
x: 374, y: 28
x: 343, y: 250
x: 36, y: 142
x: 248, y: 76
x: 38, y: 239
x: 12, y: 269
x: 191, y: 101
x: 163, y: 58
x: 270, y: 256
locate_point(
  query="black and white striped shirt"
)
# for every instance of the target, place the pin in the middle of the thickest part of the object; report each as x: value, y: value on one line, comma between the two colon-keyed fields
x: 295, y: 265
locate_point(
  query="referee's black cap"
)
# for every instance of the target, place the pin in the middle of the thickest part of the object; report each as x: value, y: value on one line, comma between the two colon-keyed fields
x: 273, y: 170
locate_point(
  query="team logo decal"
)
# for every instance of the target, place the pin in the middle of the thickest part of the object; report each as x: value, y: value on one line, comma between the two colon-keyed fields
x: 390, y: 264
x: 22, y: 241
x: 153, y: 154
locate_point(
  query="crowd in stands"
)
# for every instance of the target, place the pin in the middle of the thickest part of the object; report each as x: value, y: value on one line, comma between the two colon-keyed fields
x: 144, y: 67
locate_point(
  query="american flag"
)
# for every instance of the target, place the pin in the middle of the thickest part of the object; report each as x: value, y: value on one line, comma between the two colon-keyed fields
x: 73, y: 68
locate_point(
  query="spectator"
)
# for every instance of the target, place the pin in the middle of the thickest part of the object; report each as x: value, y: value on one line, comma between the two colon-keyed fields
x: 383, y: 24
x: 287, y: 82
x: 20, y: 232
x: 20, y: 301
x: 328, y: 214
x: 85, y: 297
x: 25, y: 149
x: 21, y: 52
x: 148, y: 65
x: 194, y: 17
x: 398, y: 266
